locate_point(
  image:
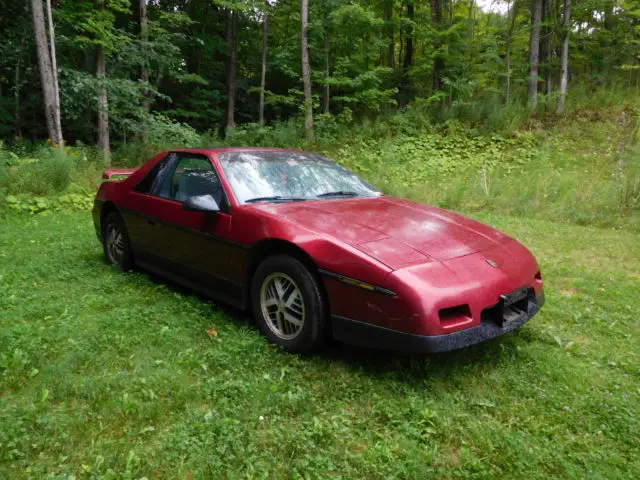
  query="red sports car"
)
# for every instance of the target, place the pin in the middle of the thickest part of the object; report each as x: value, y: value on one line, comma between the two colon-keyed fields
x: 315, y: 252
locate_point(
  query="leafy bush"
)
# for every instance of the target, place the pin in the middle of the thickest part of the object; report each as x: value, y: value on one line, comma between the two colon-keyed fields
x: 47, y: 171
x: 26, y: 203
x: 164, y: 131
x: 163, y: 134
x: 284, y: 135
x: 406, y: 161
x: 134, y: 154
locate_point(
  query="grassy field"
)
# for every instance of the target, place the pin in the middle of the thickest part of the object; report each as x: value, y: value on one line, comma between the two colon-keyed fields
x: 110, y: 375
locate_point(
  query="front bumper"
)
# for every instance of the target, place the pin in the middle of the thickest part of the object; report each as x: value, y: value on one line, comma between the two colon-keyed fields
x: 367, y: 335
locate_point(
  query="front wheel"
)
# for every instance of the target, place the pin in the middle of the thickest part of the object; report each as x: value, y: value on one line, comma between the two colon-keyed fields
x: 117, y: 250
x: 289, y: 305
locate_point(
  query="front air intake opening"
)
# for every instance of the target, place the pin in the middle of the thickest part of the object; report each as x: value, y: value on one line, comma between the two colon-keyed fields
x: 461, y: 313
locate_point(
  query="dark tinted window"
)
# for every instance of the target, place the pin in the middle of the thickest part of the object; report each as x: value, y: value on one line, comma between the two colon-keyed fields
x: 147, y: 184
x: 191, y: 176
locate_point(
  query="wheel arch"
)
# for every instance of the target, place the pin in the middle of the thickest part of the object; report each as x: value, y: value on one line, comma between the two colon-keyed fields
x: 107, y: 208
x: 275, y: 246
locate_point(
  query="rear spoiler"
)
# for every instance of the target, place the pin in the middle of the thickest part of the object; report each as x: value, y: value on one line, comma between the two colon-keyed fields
x: 109, y: 173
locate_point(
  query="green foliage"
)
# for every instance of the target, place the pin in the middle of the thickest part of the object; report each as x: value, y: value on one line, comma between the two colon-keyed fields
x: 581, y: 169
x: 30, y: 204
x: 164, y: 131
x: 285, y: 134
x: 359, y: 50
x: 47, y: 171
x: 408, y: 160
x: 163, y: 134
x: 36, y: 178
x: 93, y: 26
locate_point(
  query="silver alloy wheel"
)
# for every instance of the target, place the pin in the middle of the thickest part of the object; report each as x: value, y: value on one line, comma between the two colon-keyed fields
x: 115, y: 243
x: 282, y: 305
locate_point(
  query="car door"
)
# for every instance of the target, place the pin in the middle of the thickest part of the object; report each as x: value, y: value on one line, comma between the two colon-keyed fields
x: 140, y: 211
x: 194, y: 244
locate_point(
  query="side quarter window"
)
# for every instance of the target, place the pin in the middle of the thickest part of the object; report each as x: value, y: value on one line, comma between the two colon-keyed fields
x: 149, y: 183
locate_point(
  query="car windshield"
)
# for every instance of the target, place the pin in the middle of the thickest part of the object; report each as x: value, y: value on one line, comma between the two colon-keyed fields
x: 268, y: 176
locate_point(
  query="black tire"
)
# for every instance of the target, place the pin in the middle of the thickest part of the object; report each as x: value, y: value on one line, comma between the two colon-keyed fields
x: 120, y: 255
x: 312, y: 334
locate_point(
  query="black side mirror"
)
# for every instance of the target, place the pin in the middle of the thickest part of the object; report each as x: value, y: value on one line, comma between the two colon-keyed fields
x: 201, y: 203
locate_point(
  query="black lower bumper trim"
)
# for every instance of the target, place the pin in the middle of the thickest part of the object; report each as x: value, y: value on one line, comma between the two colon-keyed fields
x: 367, y: 335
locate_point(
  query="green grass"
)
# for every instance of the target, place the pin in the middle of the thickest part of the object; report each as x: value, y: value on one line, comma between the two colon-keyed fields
x: 110, y: 375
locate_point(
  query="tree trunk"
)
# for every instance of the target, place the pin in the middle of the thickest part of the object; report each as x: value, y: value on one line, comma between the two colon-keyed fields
x: 54, y: 74
x: 103, y: 105
x: 232, y: 81
x: 17, y: 79
x: 306, y: 72
x: 327, y: 73
x: 512, y: 13
x: 159, y: 76
x: 407, y: 61
x: 609, y: 16
x: 534, y: 53
x: 401, y: 37
x: 565, y: 56
x: 16, y: 95
x: 408, y: 56
x: 103, y: 100
x: 542, y: 60
x: 144, y: 71
x: 46, y: 72
x: 549, y: 42
x: 263, y: 74
x: 471, y: 26
x: 389, y: 27
x: 438, y: 62
x: 546, y: 47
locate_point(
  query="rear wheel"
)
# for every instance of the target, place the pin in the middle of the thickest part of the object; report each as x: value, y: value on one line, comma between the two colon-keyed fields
x: 117, y: 250
x: 289, y: 305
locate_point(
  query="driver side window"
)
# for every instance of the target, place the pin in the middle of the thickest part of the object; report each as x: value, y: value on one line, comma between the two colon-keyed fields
x: 192, y: 176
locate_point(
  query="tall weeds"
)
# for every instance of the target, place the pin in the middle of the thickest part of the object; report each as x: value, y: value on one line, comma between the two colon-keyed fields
x: 44, y: 172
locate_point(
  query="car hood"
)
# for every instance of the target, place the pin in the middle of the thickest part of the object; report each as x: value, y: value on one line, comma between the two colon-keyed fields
x: 394, y: 231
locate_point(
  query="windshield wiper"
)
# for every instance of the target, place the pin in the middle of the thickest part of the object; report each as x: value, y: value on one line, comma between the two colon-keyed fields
x: 339, y: 193
x: 278, y: 198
